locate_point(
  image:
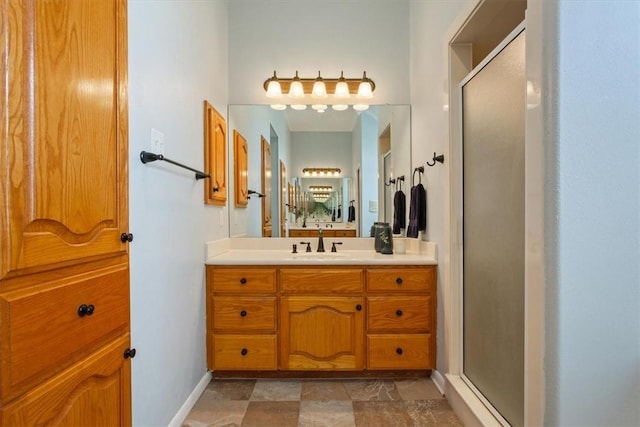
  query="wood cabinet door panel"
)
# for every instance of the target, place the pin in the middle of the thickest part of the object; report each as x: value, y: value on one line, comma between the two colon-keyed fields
x: 64, y: 160
x: 398, y: 351
x: 241, y: 169
x: 325, y: 280
x: 95, y: 391
x: 401, y: 280
x: 215, y: 156
x: 399, y: 313
x: 42, y: 331
x: 244, y: 314
x: 320, y: 333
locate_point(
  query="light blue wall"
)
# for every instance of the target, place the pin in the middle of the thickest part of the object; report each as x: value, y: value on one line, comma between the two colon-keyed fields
x: 177, y: 59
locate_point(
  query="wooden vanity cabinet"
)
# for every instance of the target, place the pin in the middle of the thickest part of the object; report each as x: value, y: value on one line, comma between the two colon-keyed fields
x: 241, y: 318
x: 321, y: 318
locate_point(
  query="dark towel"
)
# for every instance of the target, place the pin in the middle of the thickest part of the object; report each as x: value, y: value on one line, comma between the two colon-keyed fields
x: 352, y: 213
x: 417, y: 211
x: 339, y: 211
x: 399, y: 212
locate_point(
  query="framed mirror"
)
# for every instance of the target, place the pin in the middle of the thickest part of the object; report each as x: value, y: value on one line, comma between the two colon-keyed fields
x: 334, y: 161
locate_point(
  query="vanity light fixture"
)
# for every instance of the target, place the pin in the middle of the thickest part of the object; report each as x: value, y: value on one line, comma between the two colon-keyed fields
x: 321, y: 188
x: 303, y: 91
x: 324, y: 172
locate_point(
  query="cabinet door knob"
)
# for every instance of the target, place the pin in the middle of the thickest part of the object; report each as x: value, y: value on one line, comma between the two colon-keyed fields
x: 399, y: 280
x: 215, y: 189
x: 130, y: 353
x: 243, y: 281
x: 399, y: 351
x: 359, y: 307
x: 90, y: 309
x: 244, y: 352
x: 399, y: 313
x: 82, y: 310
x: 126, y: 237
x: 243, y: 313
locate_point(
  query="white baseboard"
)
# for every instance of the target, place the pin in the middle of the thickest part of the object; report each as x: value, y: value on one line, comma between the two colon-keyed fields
x: 184, y: 410
x: 438, y: 380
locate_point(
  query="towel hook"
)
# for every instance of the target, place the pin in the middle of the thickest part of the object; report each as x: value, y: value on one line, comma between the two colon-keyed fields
x: 435, y: 159
x: 391, y: 181
x: 399, y: 181
x: 420, y: 170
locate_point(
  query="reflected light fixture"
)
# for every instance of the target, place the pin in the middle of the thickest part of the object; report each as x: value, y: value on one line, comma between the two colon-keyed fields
x: 299, y: 107
x: 321, y: 188
x: 333, y: 91
x: 324, y: 172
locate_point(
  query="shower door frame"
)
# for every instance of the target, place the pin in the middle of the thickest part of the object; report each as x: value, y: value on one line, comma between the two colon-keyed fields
x: 457, y: 192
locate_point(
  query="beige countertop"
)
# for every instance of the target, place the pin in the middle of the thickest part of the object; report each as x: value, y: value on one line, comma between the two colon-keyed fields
x: 278, y: 251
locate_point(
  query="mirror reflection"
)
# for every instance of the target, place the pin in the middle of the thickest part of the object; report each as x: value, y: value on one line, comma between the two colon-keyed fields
x: 307, y: 170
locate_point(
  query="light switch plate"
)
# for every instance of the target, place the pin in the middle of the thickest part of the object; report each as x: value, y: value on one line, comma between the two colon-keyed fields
x: 157, y: 142
x: 373, y: 206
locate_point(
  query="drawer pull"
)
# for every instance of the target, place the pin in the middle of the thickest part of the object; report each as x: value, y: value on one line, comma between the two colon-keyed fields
x: 126, y: 237
x: 82, y: 310
x: 243, y: 281
x: 359, y: 307
x: 399, y: 280
x: 244, y: 352
x: 85, y: 310
x: 243, y: 313
x: 130, y: 353
x: 399, y: 351
x: 399, y: 313
x: 90, y: 309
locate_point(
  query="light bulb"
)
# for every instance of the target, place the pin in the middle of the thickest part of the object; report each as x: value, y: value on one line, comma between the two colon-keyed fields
x: 296, y: 90
x: 279, y: 107
x: 273, y: 88
x: 342, y: 88
x: 319, y: 89
x: 299, y: 107
x: 365, y: 90
x: 360, y: 107
x: 339, y: 107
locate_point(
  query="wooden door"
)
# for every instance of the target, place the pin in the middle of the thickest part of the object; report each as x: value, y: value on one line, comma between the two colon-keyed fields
x: 322, y: 333
x: 283, y: 199
x: 64, y: 186
x: 64, y: 162
x: 215, y: 156
x: 266, y: 187
x: 93, y: 392
x: 241, y: 168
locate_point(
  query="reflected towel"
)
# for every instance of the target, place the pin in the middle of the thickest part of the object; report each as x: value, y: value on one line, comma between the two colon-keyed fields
x: 399, y: 212
x: 417, y: 211
x: 352, y: 214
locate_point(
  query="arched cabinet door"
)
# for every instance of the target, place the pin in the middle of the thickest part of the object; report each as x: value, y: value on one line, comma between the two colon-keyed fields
x: 63, y: 151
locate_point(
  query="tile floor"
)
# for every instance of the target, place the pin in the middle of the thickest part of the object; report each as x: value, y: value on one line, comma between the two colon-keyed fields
x: 317, y: 403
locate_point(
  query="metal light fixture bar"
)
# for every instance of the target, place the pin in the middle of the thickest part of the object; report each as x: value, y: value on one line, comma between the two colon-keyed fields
x: 327, y: 172
x: 330, y: 83
x: 320, y: 188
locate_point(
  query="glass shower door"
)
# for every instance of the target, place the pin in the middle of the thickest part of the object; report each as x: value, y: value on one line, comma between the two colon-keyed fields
x: 493, y: 131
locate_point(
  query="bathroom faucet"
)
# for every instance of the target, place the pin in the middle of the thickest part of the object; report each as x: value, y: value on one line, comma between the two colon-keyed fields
x: 320, y: 242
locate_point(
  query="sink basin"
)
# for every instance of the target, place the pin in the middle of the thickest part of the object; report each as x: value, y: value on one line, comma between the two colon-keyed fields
x: 319, y: 256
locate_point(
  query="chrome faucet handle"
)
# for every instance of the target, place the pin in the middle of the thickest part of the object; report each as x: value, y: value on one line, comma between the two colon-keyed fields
x: 333, y: 246
x: 308, y: 246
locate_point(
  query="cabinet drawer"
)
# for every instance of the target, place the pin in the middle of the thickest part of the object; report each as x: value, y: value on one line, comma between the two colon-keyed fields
x: 401, y: 280
x: 244, y: 352
x: 241, y: 280
x: 324, y: 280
x: 244, y: 314
x: 399, y: 313
x: 401, y: 351
x: 345, y: 233
x: 43, y: 330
